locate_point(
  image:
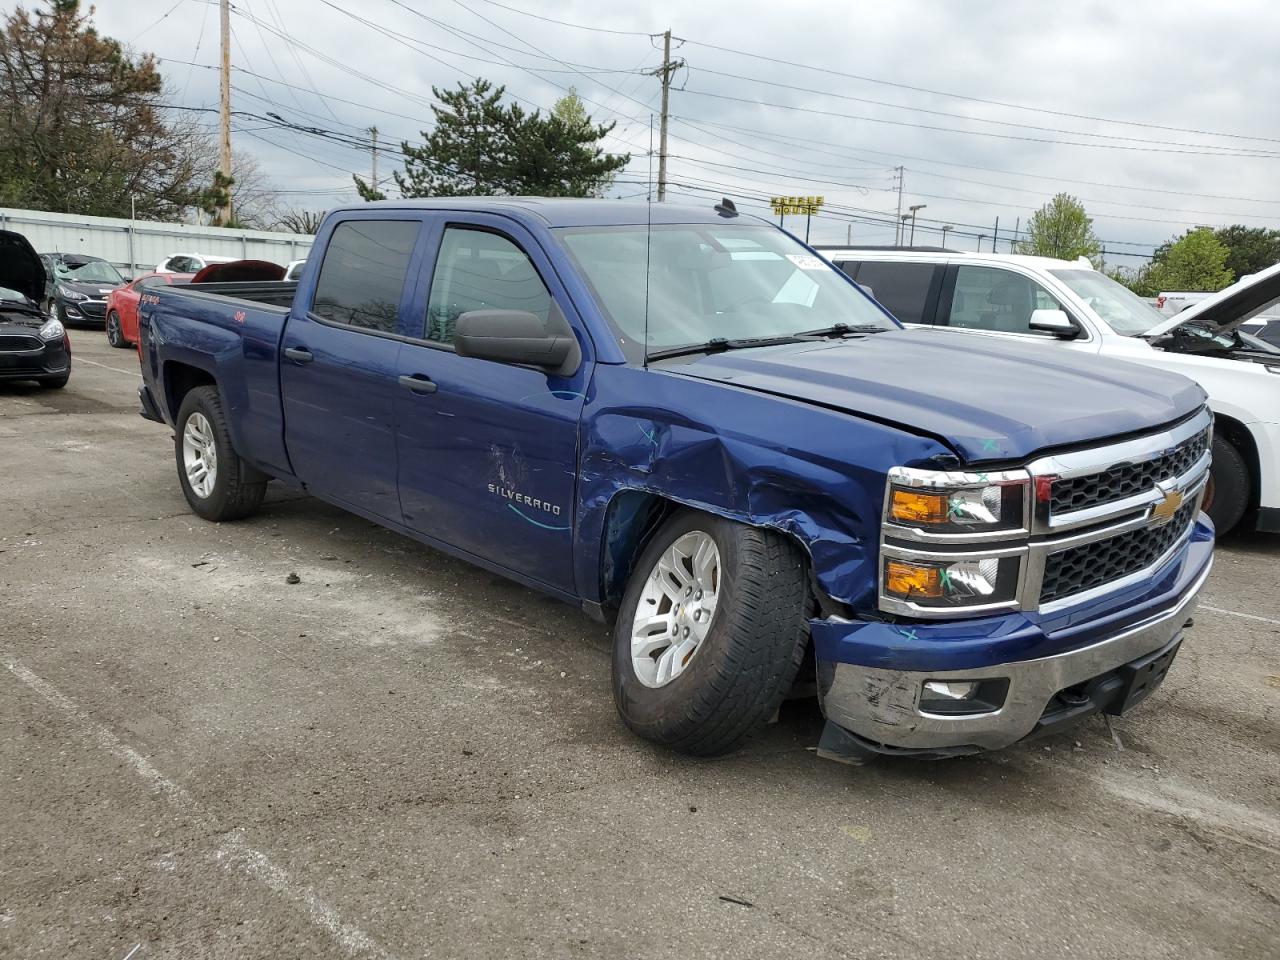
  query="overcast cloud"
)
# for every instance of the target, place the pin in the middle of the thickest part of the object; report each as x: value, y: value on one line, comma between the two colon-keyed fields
x: 1171, y: 63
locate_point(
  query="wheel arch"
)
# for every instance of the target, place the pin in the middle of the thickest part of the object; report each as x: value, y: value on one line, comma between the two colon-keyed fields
x: 180, y: 379
x: 1240, y: 437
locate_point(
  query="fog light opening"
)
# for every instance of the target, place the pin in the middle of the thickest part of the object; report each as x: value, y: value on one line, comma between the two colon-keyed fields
x: 963, y: 697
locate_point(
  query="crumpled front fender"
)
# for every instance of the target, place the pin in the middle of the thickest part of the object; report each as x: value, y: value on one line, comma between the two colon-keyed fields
x: 816, y: 474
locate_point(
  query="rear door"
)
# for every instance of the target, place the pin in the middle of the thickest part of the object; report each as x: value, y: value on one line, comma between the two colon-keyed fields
x: 488, y: 451
x: 907, y: 290
x: 339, y: 365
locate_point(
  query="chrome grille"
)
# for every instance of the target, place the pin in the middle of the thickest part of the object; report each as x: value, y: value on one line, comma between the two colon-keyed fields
x: 1126, y: 479
x: 1095, y: 564
x: 15, y: 342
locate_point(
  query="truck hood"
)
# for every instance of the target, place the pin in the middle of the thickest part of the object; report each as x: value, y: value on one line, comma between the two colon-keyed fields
x: 20, y: 268
x: 1230, y: 307
x: 989, y: 400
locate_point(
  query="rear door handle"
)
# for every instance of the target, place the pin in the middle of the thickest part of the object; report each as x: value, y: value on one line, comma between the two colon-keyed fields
x: 418, y: 383
x: 299, y: 354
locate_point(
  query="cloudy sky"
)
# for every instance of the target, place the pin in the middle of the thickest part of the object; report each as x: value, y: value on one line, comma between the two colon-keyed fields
x: 1159, y: 115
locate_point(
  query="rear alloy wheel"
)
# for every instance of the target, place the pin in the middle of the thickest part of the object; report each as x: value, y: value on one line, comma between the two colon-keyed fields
x: 115, y: 334
x: 1227, y: 495
x: 711, y: 633
x: 218, y: 484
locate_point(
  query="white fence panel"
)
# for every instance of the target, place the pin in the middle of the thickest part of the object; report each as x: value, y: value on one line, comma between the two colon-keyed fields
x: 137, y: 246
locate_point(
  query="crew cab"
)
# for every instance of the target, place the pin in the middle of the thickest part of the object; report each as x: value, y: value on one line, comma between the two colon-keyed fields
x: 685, y: 422
x: 1071, y: 306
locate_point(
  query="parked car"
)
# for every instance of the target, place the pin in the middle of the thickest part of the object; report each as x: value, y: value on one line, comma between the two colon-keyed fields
x: 122, y: 306
x: 76, y: 287
x: 700, y: 430
x: 294, y: 270
x: 189, y: 262
x: 1069, y: 304
x: 33, y: 346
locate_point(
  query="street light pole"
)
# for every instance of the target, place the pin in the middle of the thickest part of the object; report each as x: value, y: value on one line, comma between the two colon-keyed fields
x: 902, y: 223
x: 981, y: 237
x: 946, y: 228
x: 913, y: 209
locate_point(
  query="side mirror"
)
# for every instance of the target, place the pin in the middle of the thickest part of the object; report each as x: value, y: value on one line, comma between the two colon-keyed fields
x: 1055, y: 322
x: 519, y: 337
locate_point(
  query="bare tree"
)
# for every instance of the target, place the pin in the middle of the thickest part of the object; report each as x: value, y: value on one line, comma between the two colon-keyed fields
x: 301, y: 221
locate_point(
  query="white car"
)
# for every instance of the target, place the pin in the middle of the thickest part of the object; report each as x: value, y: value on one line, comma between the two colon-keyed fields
x: 1071, y: 306
x: 190, y: 262
x: 294, y: 270
x: 1173, y: 302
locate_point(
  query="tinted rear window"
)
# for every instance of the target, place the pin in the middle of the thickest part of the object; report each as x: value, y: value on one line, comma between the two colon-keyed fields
x: 903, y: 288
x: 363, y: 273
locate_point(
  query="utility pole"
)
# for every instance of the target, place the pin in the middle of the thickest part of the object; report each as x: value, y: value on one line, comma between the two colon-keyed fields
x: 1013, y: 244
x: 664, y: 73
x: 994, y: 235
x: 373, y: 134
x: 897, y: 232
x: 224, y: 145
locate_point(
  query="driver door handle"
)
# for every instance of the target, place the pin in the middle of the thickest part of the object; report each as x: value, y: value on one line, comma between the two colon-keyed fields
x: 299, y: 354
x: 418, y: 383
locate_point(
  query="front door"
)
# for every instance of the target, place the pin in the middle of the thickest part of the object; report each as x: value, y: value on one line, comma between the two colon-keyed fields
x: 338, y: 369
x: 488, y: 451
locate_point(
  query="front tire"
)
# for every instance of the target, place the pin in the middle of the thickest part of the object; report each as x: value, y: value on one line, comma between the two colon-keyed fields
x: 218, y: 484
x: 115, y: 333
x: 711, y: 633
x: 1229, y: 487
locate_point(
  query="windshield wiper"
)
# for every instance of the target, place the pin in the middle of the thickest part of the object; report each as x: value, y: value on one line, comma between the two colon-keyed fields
x: 719, y: 345
x: 837, y: 330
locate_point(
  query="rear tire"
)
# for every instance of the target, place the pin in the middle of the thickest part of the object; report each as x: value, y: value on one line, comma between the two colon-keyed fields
x: 115, y: 334
x: 1229, y: 487
x: 733, y: 680
x: 217, y: 483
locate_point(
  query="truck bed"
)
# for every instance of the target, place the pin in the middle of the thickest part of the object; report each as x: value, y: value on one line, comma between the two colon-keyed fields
x: 269, y: 293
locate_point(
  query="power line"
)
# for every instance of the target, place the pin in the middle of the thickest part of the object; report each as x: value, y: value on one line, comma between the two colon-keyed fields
x: 980, y: 133
x: 990, y: 102
x: 566, y: 23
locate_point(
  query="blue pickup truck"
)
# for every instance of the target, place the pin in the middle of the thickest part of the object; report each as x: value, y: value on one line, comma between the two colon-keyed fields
x: 690, y: 425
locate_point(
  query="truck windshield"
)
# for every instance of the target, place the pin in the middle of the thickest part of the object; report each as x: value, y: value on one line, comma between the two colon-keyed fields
x: 1122, y: 309
x: 712, y: 281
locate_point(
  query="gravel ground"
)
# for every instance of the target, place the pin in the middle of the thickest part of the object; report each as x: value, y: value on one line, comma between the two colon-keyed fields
x: 402, y: 756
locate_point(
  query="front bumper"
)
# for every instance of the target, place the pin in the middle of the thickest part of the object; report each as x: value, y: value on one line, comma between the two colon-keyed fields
x: 81, y: 311
x: 50, y: 359
x: 880, y: 705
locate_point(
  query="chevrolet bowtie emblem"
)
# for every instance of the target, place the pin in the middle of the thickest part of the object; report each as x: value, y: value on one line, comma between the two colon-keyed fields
x: 1163, y: 511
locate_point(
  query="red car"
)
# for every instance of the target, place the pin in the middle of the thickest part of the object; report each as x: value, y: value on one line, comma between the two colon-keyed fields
x: 122, y: 306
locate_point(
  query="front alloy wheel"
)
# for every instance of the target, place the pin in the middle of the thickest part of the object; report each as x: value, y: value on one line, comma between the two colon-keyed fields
x: 676, y: 608
x: 115, y: 335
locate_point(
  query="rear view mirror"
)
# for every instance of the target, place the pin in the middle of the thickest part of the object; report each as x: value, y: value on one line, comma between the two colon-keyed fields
x: 519, y: 337
x: 1056, y: 322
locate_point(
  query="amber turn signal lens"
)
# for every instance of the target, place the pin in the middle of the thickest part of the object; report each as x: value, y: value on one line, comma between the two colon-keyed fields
x: 912, y: 506
x: 903, y: 579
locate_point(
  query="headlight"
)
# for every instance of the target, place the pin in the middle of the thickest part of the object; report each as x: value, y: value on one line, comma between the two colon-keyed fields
x: 953, y: 540
x: 947, y: 584
x: 53, y: 330
x: 68, y: 294
x: 957, y: 503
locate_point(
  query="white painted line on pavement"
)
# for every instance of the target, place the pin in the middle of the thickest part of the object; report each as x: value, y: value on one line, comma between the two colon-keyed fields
x: 234, y: 850
x: 128, y: 373
x: 1237, y: 613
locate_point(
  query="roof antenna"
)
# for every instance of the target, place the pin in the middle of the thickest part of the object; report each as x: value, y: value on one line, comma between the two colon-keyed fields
x: 726, y: 208
x: 648, y: 238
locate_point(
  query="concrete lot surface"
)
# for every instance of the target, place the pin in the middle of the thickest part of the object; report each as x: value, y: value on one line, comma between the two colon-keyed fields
x: 402, y: 756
